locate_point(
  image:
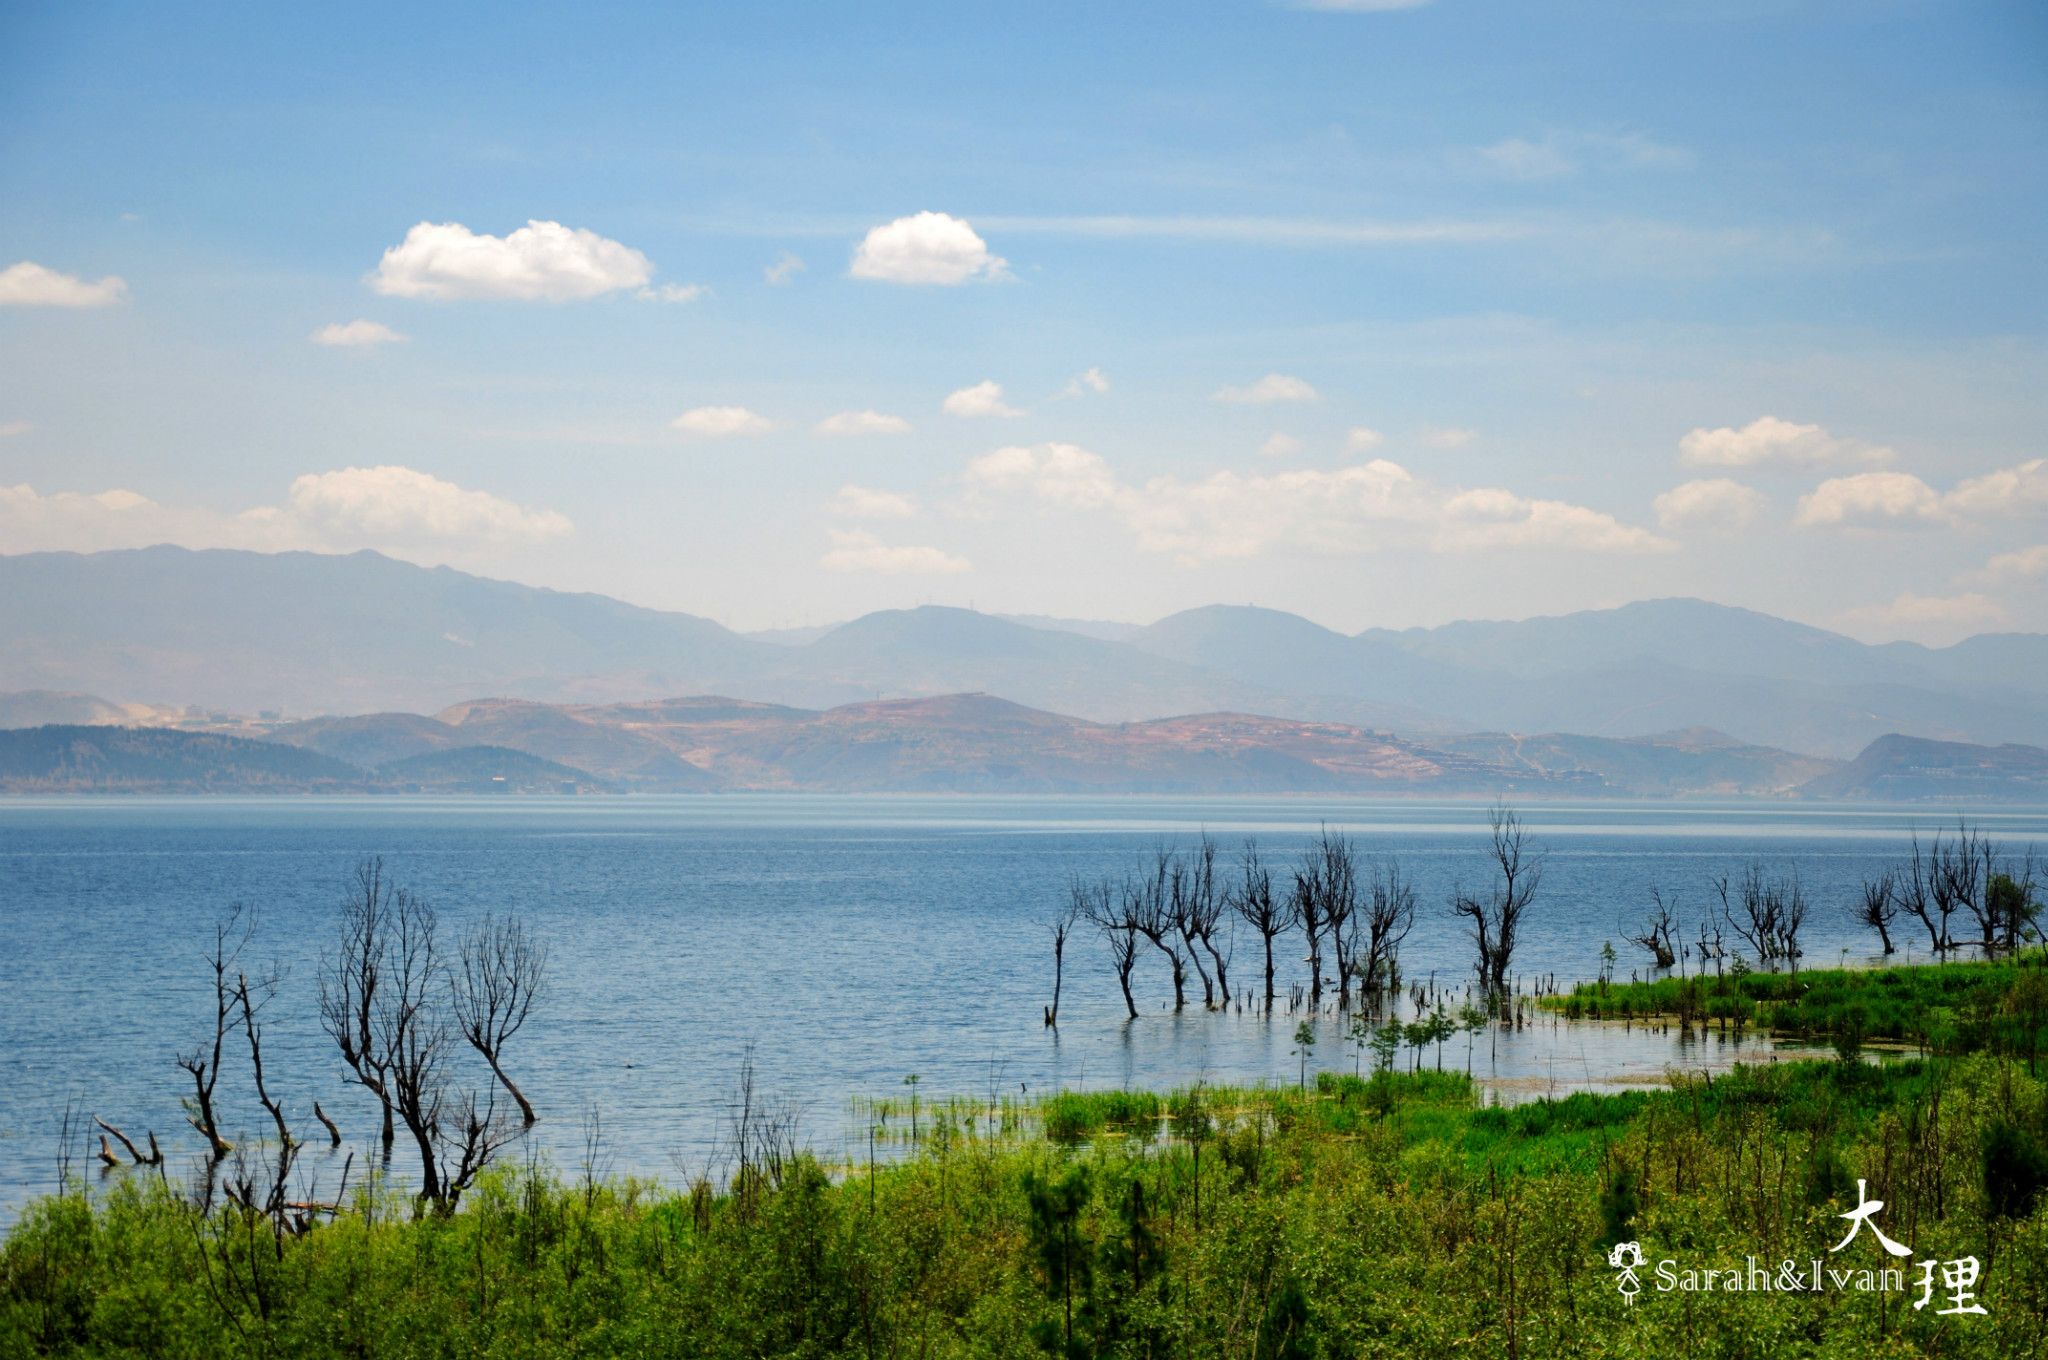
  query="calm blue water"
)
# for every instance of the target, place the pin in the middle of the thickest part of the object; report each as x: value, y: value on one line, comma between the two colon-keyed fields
x: 850, y: 940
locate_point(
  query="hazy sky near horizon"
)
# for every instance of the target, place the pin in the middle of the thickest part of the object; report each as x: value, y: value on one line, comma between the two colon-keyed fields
x: 1386, y: 314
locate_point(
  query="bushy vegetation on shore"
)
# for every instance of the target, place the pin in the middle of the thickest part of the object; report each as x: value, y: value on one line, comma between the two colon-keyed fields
x: 1389, y: 1216
x: 1939, y: 1008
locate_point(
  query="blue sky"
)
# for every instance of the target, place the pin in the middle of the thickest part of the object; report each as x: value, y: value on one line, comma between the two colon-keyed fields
x: 1387, y: 316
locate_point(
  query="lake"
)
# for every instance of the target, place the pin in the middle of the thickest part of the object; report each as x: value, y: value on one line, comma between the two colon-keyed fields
x: 848, y: 942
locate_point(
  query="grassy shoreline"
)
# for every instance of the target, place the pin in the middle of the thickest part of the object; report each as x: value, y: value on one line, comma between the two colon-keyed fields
x: 1391, y: 1216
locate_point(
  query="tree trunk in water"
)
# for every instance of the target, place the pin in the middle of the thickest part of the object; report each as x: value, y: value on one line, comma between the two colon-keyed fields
x: 525, y: 1109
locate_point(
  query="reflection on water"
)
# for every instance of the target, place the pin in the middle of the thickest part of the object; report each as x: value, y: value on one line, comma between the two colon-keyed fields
x: 851, y: 941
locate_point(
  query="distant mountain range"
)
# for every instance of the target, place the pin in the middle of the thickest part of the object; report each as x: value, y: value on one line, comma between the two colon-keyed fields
x: 964, y: 743
x: 308, y: 633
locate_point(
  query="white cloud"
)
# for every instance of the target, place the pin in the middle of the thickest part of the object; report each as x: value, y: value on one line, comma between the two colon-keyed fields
x: 1447, y: 437
x: 1362, y: 440
x: 1713, y: 504
x: 357, y: 334
x: 14, y: 427
x: 862, y: 422
x: 1871, y: 498
x: 541, y: 260
x: 1279, y: 445
x: 2006, y: 568
x: 30, y: 285
x: 784, y: 269
x: 862, y: 551
x: 1273, y: 387
x: 1350, y: 510
x: 860, y: 502
x: 1770, y: 442
x: 397, y: 503
x: 1519, y: 159
x: 1094, y: 380
x: 673, y: 292
x: 396, y: 508
x: 2021, y: 490
x: 720, y: 422
x: 927, y: 248
x: 982, y: 399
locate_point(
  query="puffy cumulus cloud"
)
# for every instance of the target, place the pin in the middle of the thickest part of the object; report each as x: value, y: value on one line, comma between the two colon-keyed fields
x: 860, y: 550
x: 1094, y: 380
x: 1869, y: 499
x: 30, y: 285
x: 982, y: 399
x: 1271, y: 388
x: 926, y: 248
x: 862, y: 422
x: 1713, y: 504
x: 1356, y: 509
x: 1362, y: 440
x: 1770, y: 442
x: 784, y: 270
x: 2006, y: 568
x: 722, y: 422
x: 357, y: 335
x: 387, y: 507
x: 397, y: 504
x: 2021, y: 490
x: 1279, y: 445
x: 1447, y: 437
x: 542, y: 261
x: 860, y: 502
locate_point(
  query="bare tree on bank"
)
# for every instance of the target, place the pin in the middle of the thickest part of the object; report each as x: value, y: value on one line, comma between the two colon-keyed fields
x: 1148, y: 904
x: 1497, y: 918
x: 1915, y: 891
x: 1251, y: 897
x: 252, y: 998
x: 1766, y: 912
x: 1879, y: 907
x: 1389, y: 908
x: 501, y: 972
x: 230, y: 934
x: 1183, y: 909
x: 1061, y: 926
x: 1655, y: 934
x: 351, y: 984
x: 1106, y: 908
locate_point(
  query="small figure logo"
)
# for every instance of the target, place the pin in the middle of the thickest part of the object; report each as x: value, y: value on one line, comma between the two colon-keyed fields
x: 1627, y: 1256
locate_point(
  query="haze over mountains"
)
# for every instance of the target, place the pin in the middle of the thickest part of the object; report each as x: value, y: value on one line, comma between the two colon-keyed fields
x: 318, y: 634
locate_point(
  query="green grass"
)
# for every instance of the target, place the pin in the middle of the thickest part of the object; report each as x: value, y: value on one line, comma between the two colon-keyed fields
x: 1391, y: 1216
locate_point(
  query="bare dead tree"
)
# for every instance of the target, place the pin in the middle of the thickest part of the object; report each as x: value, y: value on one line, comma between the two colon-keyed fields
x: 1880, y: 907
x: 1767, y: 913
x: 1497, y: 917
x: 1305, y: 909
x: 1654, y: 934
x: 1958, y: 872
x: 151, y: 1159
x: 252, y: 999
x: 412, y: 1040
x: 352, y: 981
x: 1148, y: 904
x: 1388, y: 907
x: 1205, y: 907
x: 1251, y: 897
x: 333, y: 1133
x: 1182, y: 909
x: 501, y: 972
x: 1107, y: 910
x: 1061, y: 926
x: 230, y: 935
x: 1337, y: 878
x: 1915, y: 890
